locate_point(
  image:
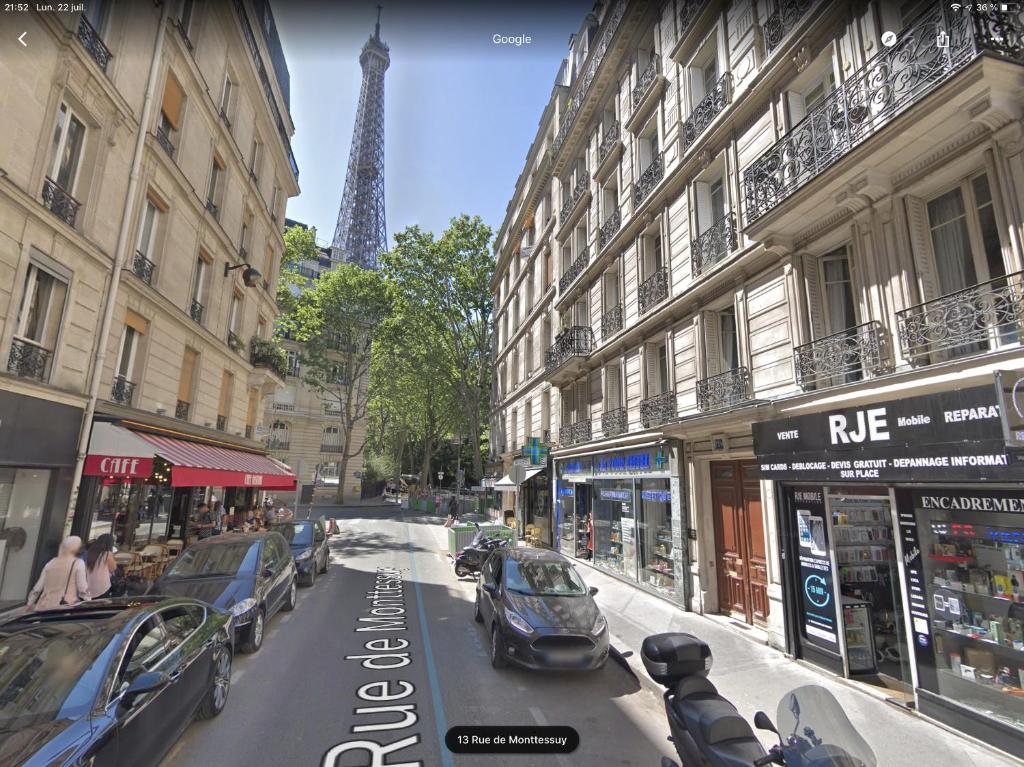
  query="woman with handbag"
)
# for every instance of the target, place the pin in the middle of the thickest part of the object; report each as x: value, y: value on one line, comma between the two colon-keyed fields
x: 63, y: 580
x: 100, y: 565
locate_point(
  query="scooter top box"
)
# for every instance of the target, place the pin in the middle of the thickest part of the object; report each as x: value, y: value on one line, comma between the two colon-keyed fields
x: 670, y: 657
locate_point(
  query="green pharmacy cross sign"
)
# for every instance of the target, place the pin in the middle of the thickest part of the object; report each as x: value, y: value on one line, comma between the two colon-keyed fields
x: 536, y: 452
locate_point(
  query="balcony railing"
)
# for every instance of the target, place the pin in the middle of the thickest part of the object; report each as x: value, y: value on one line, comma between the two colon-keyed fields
x: 195, y: 311
x: 653, y: 290
x: 575, y: 341
x: 90, y: 40
x: 611, y: 135
x: 725, y: 390
x: 708, y: 109
x: 644, y: 83
x: 181, y: 410
x: 27, y: 360
x: 574, y: 433
x: 688, y: 12
x: 717, y: 242
x: 165, y: 141
x: 122, y: 391
x: 330, y: 447
x: 648, y: 180
x: 785, y: 17
x: 285, y: 406
x: 889, y: 84
x: 609, y: 228
x: 575, y: 270
x: 612, y: 322
x: 966, y: 322
x: 659, y: 409
x: 212, y: 207
x: 577, y: 193
x: 222, y: 422
x: 278, y: 443
x: 614, y: 422
x: 143, y: 267
x: 184, y: 35
x: 60, y: 202
x: 843, y: 357
x: 267, y: 354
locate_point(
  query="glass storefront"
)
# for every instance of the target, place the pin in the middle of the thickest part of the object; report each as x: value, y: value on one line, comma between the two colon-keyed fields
x: 615, y: 526
x: 657, y: 569
x: 566, y: 512
x: 584, y: 531
x: 133, y: 512
x: 22, y: 503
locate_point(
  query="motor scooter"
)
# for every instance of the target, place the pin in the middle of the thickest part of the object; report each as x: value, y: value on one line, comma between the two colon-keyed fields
x: 708, y: 731
x: 472, y: 558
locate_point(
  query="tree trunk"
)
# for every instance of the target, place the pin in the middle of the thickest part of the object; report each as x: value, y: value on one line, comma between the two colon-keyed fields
x: 428, y: 454
x: 400, y: 440
x: 339, y: 497
x: 474, y: 433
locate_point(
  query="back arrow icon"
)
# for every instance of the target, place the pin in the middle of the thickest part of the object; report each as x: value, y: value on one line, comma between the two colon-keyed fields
x: 21, y: 39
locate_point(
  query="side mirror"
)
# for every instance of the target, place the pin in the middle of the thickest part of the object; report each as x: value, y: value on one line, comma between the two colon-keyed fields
x: 763, y: 722
x: 148, y: 681
x: 490, y: 588
x: 593, y: 590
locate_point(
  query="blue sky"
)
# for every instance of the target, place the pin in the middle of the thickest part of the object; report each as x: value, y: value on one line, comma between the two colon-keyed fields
x: 460, y: 111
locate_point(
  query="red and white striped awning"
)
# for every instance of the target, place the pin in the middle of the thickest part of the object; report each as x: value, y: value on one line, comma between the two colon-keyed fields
x: 194, y: 464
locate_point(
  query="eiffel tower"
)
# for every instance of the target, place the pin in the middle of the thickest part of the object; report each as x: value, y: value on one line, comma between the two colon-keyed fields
x: 361, y: 233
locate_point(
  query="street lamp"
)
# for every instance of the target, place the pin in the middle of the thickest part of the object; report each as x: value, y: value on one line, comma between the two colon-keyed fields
x: 250, y: 277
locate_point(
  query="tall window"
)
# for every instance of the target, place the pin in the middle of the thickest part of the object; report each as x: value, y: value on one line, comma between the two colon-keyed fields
x: 332, y: 439
x: 185, y: 16
x: 255, y: 156
x: 727, y: 334
x: 838, y: 292
x: 38, y: 323
x: 293, y: 363
x: 235, y: 314
x: 147, y: 232
x: 227, y: 384
x: 186, y: 383
x: 171, y: 108
x: 68, y: 145
x: 226, y: 94
x: 527, y: 421
x: 213, y: 192
x: 199, y: 288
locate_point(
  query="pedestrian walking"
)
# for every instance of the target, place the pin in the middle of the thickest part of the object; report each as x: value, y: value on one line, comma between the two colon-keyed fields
x: 100, y: 565
x: 63, y: 580
x: 219, y: 512
x: 269, y: 515
x: 204, y: 521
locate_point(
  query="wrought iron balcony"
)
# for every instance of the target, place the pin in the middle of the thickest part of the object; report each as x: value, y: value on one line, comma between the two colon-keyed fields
x: 966, y: 322
x: 165, y: 141
x: 708, y: 109
x: 611, y: 135
x: 212, y: 207
x: 843, y: 357
x: 644, y: 83
x: 717, y: 242
x: 648, y: 180
x: 577, y: 194
x: 653, y: 290
x: 181, y: 410
x: 869, y: 99
x: 614, y: 422
x: 122, y: 391
x: 728, y: 389
x: 330, y: 447
x: 60, y: 202
x: 575, y: 270
x: 609, y: 228
x: 574, y: 433
x: 285, y: 406
x: 785, y: 17
x: 267, y: 354
x: 90, y: 40
x: 143, y: 267
x: 195, y: 311
x: 575, y: 341
x: 611, y: 322
x: 222, y: 422
x: 27, y: 360
x: 184, y: 35
x: 688, y: 12
x: 278, y: 443
x: 658, y: 409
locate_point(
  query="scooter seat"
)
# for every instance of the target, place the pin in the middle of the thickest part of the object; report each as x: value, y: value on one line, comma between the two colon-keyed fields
x: 723, y: 736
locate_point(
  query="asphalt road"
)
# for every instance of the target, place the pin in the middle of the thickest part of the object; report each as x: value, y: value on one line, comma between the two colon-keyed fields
x: 306, y: 699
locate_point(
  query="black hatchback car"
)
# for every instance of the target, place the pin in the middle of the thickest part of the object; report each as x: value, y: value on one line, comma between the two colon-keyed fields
x: 539, y: 613
x: 251, y: 575
x: 310, y: 549
x: 109, y: 682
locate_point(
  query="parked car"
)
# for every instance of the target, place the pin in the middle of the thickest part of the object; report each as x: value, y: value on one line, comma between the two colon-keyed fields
x: 109, y: 682
x: 539, y: 612
x: 252, y: 575
x: 308, y: 541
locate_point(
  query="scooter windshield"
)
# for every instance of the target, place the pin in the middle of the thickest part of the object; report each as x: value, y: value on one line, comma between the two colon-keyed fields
x: 814, y: 725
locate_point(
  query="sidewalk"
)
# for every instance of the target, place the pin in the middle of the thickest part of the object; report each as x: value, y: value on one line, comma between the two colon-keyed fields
x: 755, y: 676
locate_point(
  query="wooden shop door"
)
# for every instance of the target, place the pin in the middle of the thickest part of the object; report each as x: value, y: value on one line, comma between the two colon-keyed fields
x: 739, y: 541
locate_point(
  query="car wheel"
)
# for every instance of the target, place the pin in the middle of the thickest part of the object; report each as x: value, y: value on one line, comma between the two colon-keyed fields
x: 289, y: 604
x: 254, y: 637
x: 497, y: 654
x: 217, y: 696
x: 310, y: 579
x: 477, y: 615
x: 327, y: 562
x: 461, y: 571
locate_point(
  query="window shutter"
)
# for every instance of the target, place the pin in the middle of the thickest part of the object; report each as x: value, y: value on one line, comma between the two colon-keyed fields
x: 812, y: 277
x: 582, y: 401
x: 174, y: 97
x: 712, y: 343
x: 225, y: 394
x: 651, y: 370
x: 920, y: 244
x: 136, y: 322
x: 702, y: 197
x: 250, y: 411
x: 613, y: 388
x: 567, y: 405
x: 596, y: 395
x: 188, y: 368
x: 797, y: 110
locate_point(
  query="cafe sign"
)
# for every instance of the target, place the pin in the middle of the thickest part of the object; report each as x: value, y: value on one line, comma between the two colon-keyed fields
x: 129, y: 467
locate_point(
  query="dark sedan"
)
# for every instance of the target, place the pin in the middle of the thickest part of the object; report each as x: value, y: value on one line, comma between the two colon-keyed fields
x: 251, y: 575
x: 539, y: 612
x: 308, y: 541
x: 109, y: 682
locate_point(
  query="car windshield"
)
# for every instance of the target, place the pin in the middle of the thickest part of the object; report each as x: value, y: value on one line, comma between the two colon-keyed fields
x: 225, y: 559
x: 51, y: 670
x: 296, y: 533
x: 543, y: 578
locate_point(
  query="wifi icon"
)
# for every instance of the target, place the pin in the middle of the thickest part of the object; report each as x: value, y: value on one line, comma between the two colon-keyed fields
x: 956, y: 7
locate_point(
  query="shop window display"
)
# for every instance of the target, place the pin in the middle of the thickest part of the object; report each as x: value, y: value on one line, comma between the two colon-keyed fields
x: 974, y: 574
x: 566, y: 518
x: 655, y: 536
x: 22, y: 500
x: 615, y: 526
